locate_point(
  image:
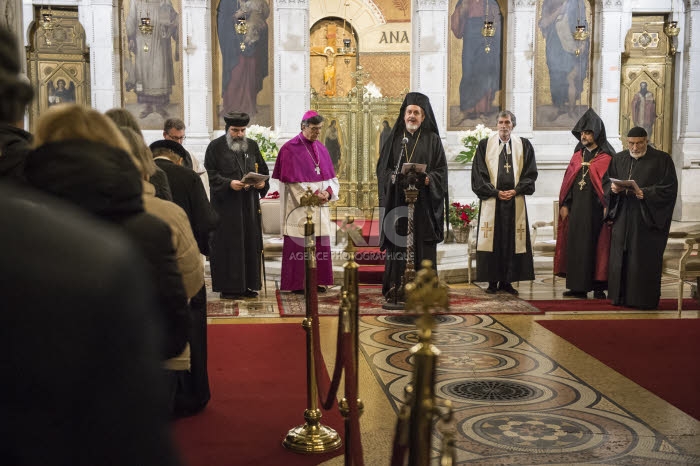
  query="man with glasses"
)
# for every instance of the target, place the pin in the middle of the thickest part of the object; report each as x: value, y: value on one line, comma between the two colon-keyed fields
x: 641, y: 214
x: 174, y: 130
x: 303, y: 162
x: 236, y: 244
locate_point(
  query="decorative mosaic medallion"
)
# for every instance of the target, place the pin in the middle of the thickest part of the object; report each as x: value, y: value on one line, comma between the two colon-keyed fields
x: 532, y: 432
x: 492, y: 390
x: 411, y: 320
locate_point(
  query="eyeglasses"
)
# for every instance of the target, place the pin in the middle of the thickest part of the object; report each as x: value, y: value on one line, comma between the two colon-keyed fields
x: 177, y: 138
x: 315, y: 129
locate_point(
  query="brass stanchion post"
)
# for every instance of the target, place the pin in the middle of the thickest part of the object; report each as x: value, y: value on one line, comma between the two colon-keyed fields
x: 351, y: 323
x: 424, y: 294
x: 312, y: 436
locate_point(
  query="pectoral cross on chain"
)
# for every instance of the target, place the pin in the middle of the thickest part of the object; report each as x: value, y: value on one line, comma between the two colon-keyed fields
x: 318, y: 170
x: 581, y: 184
x: 507, y: 166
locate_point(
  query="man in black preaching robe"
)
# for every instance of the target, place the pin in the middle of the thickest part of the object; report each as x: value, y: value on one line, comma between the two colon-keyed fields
x: 641, y: 221
x: 236, y: 245
x: 413, y: 139
x: 582, y: 240
x: 503, y: 173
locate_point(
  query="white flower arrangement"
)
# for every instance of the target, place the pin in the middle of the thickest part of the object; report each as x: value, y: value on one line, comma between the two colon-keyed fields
x: 470, y: 140
x: 371, y: 90
x: 266, y: 139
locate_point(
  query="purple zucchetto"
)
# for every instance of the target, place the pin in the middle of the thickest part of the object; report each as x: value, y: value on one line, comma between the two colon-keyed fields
x: 309, y: 114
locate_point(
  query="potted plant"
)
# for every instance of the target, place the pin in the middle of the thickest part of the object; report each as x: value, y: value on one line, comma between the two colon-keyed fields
x: 470, y: 140
x: 461, y: 217
x: 266, y: 139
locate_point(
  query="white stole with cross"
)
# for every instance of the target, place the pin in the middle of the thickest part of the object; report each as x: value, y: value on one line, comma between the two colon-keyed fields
x: 487, y: 212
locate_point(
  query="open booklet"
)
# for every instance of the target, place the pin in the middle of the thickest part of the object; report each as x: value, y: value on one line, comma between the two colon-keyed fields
x: 254, y: 178
x: 420, y: 167
x: 627, y: 184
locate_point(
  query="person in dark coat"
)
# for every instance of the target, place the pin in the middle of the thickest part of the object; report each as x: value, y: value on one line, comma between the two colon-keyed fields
x: 83, y: 158
x: 641, y: 221
x: 504, y: 171
x: 15, y: 95
x: 81, y: 341
x: 582, y: 208
x: 415, y: 139
x: 236, y: 244
x: 188, y: 192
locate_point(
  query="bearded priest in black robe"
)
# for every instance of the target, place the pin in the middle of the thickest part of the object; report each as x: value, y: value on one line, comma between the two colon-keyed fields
x: 413, y: 139
x: 641, y: 221
x: 236, y: 245
x: 504, y: 171
x: 582, y: 238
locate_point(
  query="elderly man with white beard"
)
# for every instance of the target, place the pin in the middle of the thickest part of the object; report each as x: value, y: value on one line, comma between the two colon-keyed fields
x: 236, y: 244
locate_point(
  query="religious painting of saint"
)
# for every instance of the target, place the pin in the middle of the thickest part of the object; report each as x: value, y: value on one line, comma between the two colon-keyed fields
x: 152, y: 87
x: 332, y: 143
x: 244, y: 59
x: 562, y: 81
x: 643, y: 109
x: 60, y: 93
x: 479, y: 70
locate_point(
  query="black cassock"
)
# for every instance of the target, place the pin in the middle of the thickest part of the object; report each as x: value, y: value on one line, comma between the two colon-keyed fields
x: 429, y: 214
x: 585, y: 223
x: 236, y: 244
x: 640, y: 228
x: 503, y: 264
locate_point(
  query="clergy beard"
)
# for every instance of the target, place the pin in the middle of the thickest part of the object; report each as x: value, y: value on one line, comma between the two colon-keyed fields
x: 637, y: 156
x: 236, y: 145
x: 412, y: 127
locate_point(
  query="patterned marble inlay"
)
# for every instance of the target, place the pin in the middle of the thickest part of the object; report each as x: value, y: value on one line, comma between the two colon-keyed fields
x: 512, y: 403
x: 492, y: 390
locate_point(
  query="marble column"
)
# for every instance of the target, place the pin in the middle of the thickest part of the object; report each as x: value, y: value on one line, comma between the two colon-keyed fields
x: 606, y: 63
x: 291, y: 65
x: 686, y: 134
x: 197, y: 75
x: 429, y: 55
x: 519, y: 70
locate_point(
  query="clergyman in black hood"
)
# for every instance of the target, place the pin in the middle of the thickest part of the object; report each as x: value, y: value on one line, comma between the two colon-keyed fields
x: 582, y: 208
x: 413, y: 139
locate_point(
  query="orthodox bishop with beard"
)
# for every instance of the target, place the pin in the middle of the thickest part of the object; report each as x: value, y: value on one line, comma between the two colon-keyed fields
x: 236, y: 244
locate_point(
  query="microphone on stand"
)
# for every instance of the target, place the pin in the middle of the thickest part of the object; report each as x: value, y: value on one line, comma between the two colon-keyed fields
x: 404, y: 141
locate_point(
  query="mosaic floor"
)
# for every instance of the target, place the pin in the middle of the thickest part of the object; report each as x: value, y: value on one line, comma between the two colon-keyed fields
x: 513, y: 404
x: 522, y: 395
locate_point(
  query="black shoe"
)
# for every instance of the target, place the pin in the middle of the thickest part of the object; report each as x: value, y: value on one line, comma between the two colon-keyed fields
x: 250, y: 294
x: 508, y: 288
x: 599, y: 294
x: 321, y: 288
x: 224, y: 295
x: 492, y: 289
x: 575, y: 294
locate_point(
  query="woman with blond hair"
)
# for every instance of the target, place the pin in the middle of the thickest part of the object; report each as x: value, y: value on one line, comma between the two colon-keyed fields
x: 82, y: 157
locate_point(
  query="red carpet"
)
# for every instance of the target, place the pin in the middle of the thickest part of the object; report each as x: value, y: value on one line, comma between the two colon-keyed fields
x: 568, y: 305
x: 257, y: 374
x: 659, y: 355
x: 472, y: 300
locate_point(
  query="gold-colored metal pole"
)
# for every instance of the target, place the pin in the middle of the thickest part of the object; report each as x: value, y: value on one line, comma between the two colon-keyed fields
x: 312, y: 436
x: 351, y: 295
x: 424, y: 294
